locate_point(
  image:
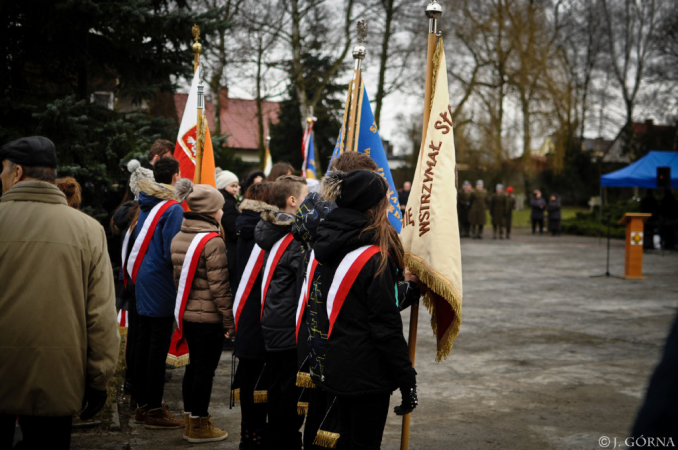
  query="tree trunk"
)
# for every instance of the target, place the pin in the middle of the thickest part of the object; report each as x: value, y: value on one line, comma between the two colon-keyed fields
x: 388, y: 6
x: 259, y: 101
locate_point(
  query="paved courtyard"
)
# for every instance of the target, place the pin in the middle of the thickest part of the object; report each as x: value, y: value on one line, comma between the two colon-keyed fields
x: 547, y: 357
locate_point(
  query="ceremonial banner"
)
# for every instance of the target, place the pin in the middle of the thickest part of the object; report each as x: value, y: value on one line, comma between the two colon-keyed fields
x: 370, y: 144
x: 430, y: 234
x: 308, y: 169
x: 185, y: 150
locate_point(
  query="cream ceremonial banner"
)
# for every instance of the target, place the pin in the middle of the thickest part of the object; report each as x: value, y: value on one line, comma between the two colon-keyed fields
x: 430, y: 233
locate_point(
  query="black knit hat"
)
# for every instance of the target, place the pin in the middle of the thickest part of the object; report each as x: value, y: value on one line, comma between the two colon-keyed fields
x: 34, y: 151
x: 359, y: 190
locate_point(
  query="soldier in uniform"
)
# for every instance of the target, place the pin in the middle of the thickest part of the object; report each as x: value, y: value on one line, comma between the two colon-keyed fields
x: 476, y: 214
x: 498, y: 212
x: 463, y: 205
x: 510, y: 206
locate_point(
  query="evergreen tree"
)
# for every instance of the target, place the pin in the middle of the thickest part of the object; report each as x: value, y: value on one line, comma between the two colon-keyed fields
x: 60, y: 52
x: 287, y: 134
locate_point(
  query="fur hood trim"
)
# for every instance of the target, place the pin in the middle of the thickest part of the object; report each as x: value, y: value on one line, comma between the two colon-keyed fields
x: 278, y: 218
x: 157, y: 190
x: 256, y: 206
x: 330, y: 188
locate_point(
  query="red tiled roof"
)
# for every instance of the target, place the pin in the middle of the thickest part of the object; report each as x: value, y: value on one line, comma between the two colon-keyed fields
x: 238, y: 119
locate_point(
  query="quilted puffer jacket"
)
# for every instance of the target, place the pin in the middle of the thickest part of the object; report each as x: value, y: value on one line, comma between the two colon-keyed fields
x: 210, y: 299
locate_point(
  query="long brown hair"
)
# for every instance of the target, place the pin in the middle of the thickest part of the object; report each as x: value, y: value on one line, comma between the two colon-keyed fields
x: 386, y: 236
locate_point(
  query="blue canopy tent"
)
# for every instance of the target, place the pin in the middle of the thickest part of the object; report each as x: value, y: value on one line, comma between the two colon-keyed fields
x: 643, y: 173
x: 640, y: 174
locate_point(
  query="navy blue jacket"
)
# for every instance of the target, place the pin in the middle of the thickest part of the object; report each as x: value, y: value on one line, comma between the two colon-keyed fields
x: 155, y: 290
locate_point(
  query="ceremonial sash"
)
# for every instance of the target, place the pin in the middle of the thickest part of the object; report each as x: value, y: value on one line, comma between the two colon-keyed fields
x: 249, y: 277
x: 178, y: 353
x: 144, y: 237
x: 125, y: 246
x: 271, y: 263
x: 122, y: 321
x: 343, y: 280
x: 306, y: 289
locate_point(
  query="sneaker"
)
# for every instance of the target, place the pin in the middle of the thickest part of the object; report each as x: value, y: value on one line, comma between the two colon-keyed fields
x: 140, y: 414
x: 202, y: 430
x: 162, y: 419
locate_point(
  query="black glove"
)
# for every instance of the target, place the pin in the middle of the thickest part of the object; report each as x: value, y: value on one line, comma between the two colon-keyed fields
x: 92, y: 403
x: 410, y: 401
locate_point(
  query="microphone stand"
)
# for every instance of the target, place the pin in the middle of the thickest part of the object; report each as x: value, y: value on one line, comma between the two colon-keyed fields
x: 607, y: 273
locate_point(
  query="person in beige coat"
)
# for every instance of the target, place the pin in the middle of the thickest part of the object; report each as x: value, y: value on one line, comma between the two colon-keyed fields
x: 59, y: 339
x: 208, y: 315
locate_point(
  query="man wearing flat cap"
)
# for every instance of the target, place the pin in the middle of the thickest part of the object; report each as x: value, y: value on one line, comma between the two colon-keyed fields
x: 58, y: 325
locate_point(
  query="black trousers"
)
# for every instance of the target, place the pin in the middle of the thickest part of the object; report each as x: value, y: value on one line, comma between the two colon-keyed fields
x: 131, y: 347
x: 39, y: 433
x: 247, y: 374
x: 509, y: 220
x: 363, y: 419
x: 205, y: 342
x: 154, y: 336
x: 539, y: 222
x: 283, y: 395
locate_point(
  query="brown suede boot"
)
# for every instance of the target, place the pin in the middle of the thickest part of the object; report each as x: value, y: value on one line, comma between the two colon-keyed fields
x: 162, y: 419
x: 202, y: 430
x: 187, y: 423
x: 140, y: 414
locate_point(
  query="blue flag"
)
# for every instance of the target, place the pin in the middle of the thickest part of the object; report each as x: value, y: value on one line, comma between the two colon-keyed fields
x: 370, y: 144
x: 311, y: 172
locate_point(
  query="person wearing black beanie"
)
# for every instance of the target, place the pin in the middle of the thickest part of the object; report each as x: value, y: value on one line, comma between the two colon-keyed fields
x: 367, y: 356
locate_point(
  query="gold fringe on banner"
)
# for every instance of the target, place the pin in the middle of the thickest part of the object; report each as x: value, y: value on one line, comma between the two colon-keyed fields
x: 178, y: 361
x: 326, y: 439
x: 302, y: 408
x: 304, y: 380
x: 260, y: 396
x: 235, y: 395
x: 122, y: 330
x: 441, y: 286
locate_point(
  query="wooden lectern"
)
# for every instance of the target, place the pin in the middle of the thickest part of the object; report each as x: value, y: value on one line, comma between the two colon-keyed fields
x: 633, y: 262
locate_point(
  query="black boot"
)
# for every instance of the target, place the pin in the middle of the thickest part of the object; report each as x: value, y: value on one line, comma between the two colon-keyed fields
x: 245, y: 437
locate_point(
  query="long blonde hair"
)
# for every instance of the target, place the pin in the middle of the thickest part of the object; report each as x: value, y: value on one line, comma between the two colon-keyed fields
x: 385, y: 236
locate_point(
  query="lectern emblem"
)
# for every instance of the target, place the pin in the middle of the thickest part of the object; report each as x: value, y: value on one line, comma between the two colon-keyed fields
x: 636, y: 238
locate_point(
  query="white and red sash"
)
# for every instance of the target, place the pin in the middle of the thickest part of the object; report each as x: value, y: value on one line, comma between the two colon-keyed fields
x: 122, y: 318
x: 144, y: 237
x: 271, y: 263
x: 343, y: 280
x: 249, y: 277
x: 306, y: 289
x: 178, y: 353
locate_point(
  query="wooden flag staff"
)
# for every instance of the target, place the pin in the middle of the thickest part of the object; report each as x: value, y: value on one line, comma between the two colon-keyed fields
x: 201, y: 125
x: 351, y: 123
x: 433, y: 12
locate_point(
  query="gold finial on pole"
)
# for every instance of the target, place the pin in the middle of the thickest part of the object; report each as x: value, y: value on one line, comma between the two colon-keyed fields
x: 355, y: 92
x: 197, y: 47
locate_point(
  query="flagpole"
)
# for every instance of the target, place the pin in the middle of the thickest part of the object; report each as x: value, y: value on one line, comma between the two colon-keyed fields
x: 200, y: 131
x: 351, y: 113
x: 433, y: 12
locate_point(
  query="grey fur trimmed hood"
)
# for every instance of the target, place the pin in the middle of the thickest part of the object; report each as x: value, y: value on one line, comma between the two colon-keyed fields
x: 157, y: 190
x: 256, y: 206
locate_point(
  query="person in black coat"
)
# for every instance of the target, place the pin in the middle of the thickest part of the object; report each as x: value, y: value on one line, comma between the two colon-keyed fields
x: 554, y: 215
x: 227, y: 184
x: 249, y: 340
x: 367, y: 357
x: 538, y: 206
x: 279, y: 308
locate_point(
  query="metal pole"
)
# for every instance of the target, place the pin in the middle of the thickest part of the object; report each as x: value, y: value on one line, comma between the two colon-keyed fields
x: 600, y: 216
x: 433, y: 12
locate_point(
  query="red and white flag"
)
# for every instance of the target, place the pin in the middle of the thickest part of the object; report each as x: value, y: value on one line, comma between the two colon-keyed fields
x: 185, y: 149
x: 249, y: 277
x: 178, y: 353
x: 348, y: 270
